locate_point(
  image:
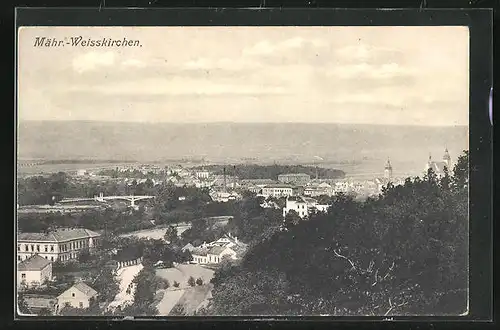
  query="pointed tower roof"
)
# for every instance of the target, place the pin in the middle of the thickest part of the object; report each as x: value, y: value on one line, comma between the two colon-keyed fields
x: 446, y: 155
x: 388, y: 164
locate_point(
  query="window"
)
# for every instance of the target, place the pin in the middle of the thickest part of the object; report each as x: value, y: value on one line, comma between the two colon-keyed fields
x: 18, y: 247
x: 52, y: 248
x: 38, y: 248
x: 73, y: 294
x: 46, y: 248
x: 81, y: 304
x: 51, y: 258
x: 19, y: 258
x: 32, y: 247
x: 23, y: 276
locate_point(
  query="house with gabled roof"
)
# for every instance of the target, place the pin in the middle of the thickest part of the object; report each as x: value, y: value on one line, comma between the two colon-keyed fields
x: 213, y: 252
x: 34, y: 271
x: 79, y: 295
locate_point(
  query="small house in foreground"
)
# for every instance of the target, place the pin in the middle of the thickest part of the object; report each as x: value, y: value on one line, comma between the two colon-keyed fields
x: 78, y: 296
x: 34, y: 271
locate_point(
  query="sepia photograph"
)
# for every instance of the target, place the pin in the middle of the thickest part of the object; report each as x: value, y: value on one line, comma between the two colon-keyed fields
x: 242, y: 171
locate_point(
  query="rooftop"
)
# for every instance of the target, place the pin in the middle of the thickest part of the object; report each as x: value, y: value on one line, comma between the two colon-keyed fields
x: 216, y: 250
x: 34, y: 262
x: 278, y: 186
x: 60, y: 235
x: 84, y: 288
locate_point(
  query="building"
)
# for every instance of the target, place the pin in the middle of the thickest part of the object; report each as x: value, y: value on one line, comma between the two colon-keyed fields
x: 79, y: 295
x: 277, y: 190
x: 315, y: 190
x: 202, y: 174
x: 224, y: 196
x: 212, y: 255
x: 81, y: 172
x: 439, y: 167
x: 388, y: 170
x: 34, y: 271
x: 303, y: 206
x: 294, y: 178
x: 213, y: 252
x: 61, y: 244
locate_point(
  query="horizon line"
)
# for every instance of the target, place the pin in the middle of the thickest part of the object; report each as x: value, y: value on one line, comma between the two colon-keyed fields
x: 231, y: 122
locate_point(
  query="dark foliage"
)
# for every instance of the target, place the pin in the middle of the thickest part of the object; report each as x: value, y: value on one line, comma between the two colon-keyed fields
x: 402, y: 253
x: 253, y: 171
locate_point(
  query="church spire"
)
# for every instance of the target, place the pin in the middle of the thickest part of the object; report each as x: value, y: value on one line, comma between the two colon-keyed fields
x: 388, y: 169
x: 447, y: 158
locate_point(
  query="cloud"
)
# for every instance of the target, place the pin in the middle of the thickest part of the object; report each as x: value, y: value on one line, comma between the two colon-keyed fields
x: 365, y: 70
x: 133, y: 63
x: 265, y: 47
x: 369, y: 54
x: 220, y: 64
x: 92, y: 61
x: 177, y: 86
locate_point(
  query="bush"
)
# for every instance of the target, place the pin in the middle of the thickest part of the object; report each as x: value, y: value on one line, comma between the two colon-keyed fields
x: 176, y: 284
x: 199, y: 281
x: 191, y: 281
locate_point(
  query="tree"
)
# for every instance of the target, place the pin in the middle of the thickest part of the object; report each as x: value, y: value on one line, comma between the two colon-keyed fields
x: 171, y: 234
x: 191, y: 281
x: 22, y: 305
x: 84, y: 256
x: 199, y: 281
x: 178, y: 310
x: 292, y: 218
x: 106, y: 283
x: 45, y: 312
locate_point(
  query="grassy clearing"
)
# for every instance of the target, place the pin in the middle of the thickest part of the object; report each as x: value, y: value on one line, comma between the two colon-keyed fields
x: 193, y: 297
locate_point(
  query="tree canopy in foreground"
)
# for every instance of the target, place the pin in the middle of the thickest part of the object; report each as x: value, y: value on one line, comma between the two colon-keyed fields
x: 401, y: 253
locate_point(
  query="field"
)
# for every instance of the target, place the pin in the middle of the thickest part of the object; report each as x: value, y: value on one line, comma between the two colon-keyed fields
x: 69, y: 168
x: 155, y: 233
x: 184, y: 294
x: 193, y: 298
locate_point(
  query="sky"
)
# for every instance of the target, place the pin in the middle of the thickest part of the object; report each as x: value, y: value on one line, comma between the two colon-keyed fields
x: 369, y: 75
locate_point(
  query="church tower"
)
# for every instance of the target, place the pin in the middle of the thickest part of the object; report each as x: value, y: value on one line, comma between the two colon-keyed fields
x: 447, y: 159
x: 388, y: 170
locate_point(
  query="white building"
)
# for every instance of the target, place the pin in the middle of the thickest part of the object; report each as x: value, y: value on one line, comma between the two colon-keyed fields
x: 202, y: 174
x: 34, y: 271
x: 294, y: 178
x: 304, y: 206
x: 212, y: 255
x: 81, y: 172
x: 277, y: 190
x: 78, y: 296
x: 62, y: 244
x: 213, y: 252
x: 315, y: 190
x: 224, y: 196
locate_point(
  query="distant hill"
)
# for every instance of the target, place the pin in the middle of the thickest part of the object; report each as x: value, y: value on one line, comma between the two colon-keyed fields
x: 350, y: 145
